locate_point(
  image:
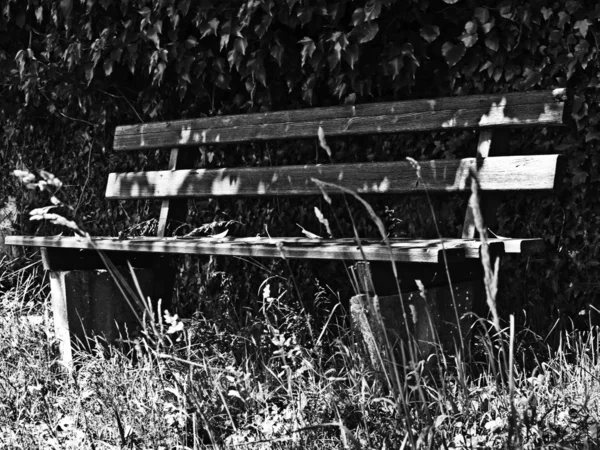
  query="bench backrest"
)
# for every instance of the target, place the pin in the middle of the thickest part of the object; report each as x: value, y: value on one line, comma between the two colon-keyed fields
x: 478, y: 111
x: 483, y: 112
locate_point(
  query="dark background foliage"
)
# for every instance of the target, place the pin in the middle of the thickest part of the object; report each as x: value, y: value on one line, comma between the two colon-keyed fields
x: 72, y: 70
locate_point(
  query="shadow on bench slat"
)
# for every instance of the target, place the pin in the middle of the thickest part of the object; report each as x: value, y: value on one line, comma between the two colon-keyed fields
x: 477, y: 111
x: 402, y: 250
x: 515, y: 173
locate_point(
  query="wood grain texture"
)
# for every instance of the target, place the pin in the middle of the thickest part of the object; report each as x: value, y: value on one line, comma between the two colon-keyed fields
x: 175, y: 210
x: 517, y: 173
x: 402, y: 250
x: 545, y: 108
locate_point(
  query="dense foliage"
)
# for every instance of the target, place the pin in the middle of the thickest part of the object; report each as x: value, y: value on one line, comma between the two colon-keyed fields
x: 72, y: 70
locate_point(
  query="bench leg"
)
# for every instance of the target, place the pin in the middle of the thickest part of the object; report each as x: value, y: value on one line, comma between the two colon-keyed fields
x: 430, y: 314
x: 61, y: 318
x: 89, y: 303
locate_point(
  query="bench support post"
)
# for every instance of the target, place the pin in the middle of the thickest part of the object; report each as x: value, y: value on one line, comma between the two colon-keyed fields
x: 172, y: 211
x: 61, y: 318
x: 88, y: 303
x: 424, y: 317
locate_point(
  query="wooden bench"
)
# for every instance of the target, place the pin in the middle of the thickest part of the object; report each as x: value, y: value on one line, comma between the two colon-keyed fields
x: 81, y: 301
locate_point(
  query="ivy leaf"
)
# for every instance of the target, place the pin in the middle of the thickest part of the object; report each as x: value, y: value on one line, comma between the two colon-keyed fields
x: 222, y: 81
x: 471, y: 27
x: 505, y: 9
x: 485, y: 66
x: 145, y: 13
x: 351, y: 55
x: 108, y: 66
x: 190, y: 42
x: 277, y: 52
x: 225, y: 33
x: 492, y: 42
x: 234, y: 58
x: 365, y: 32
x: 66, y: 6
x: 482, y: 14
x: 469, y: 39
x: 592, y: 135
x: 89, y: 72
x: 546, y: 12
x: 396, y: 65
x: 582, y: 26
x: 308, y: 89
x: 152, y: 34
x: 453, y: 53
x: 450, y: 2
x: 335, y: 56
x: 581, y: 49
x: 510, y: 72
x: 533, y: 77
x: 372, y: 9
x: 430, y: 33
x: 158, y: 74
x: 240, y: 45
x: 39, y: 14
x: 305, y: 15
x: 206, y: 28
x: 183, y: 7
x: 358, y: 16
x: 262, y: 28
x: 497, y: 74
x: 563, y: 18
x: 572, y: 6
x: 308, y: 48
x: 487, y: 27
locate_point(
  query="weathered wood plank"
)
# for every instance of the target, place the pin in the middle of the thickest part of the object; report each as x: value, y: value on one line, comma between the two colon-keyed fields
x: 478, y: 111
x: 403, y: 250
x: 175, y: 210
x: 517, y: 173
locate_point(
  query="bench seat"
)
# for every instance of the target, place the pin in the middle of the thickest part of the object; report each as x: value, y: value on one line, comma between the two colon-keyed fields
x: 401, y: 250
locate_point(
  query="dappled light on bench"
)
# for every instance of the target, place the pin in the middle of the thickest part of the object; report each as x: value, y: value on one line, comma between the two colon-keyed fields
x: 537, y: 172
x: 401, y: 250
x: 478, y: 111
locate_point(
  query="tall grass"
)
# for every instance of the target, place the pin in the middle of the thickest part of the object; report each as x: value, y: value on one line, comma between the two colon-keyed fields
x: 185, y: 388
x: 190, y: 384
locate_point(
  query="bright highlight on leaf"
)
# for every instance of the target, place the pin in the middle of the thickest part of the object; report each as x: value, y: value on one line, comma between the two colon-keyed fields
x: 430, y: 33
x: 453, y: 53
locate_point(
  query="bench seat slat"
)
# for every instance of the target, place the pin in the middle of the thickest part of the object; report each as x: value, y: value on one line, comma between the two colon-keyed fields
x: 544, y: 108
x: 537, y: 172
x: 403, y: 250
